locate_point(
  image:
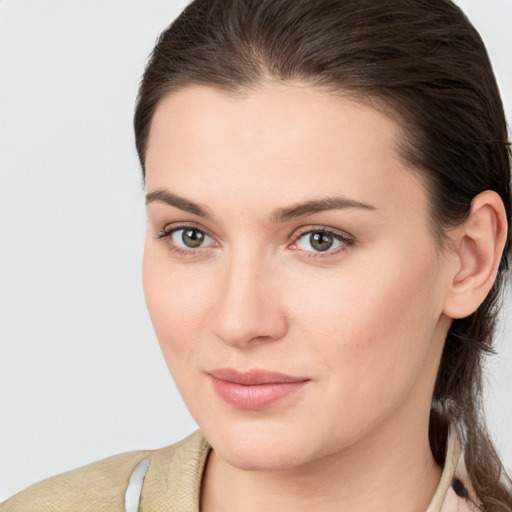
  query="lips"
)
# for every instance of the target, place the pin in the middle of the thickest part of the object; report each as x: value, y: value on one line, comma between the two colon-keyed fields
x: 255, y: 389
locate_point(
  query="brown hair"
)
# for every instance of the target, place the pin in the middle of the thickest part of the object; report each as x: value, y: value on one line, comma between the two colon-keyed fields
x: 427, y: 67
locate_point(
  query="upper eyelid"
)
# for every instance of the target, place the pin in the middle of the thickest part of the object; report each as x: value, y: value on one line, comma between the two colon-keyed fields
x: 346, y: 239
x: 318, y: 228
x: 170, y: 228
x: 176, y: 226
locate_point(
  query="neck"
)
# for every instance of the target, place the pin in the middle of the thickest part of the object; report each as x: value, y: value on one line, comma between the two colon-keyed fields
x: 383, y: 469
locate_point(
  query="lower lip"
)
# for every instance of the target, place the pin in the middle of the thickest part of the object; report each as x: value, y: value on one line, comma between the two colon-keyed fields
x: 254, y: 397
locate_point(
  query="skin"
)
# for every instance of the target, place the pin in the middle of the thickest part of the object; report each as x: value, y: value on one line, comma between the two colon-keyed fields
x: 364, y: 322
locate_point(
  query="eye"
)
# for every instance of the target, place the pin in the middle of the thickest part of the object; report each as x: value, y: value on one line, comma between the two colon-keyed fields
x: 321, y: 241
x: 186, y: 238
x: 189, y: 237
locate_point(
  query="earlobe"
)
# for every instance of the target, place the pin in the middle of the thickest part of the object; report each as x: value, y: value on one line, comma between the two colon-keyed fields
x: 478, y: 244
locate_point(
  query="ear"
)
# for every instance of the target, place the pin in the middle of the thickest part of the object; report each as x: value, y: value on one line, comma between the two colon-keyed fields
x: 478, y: 245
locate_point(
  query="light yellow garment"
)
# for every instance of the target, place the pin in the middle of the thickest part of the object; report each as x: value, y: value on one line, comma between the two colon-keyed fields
x: 172, y: 483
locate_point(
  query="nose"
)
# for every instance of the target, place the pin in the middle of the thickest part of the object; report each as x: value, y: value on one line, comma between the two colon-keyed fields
x: 248, y: 309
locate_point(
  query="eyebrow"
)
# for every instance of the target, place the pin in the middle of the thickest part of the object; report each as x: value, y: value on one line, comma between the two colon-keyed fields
x: 178, y: 202
x: 279, y: 215
x: 316, y: 206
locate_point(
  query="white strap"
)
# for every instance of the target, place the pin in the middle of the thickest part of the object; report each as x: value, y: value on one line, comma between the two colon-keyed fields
x: 134, y: 489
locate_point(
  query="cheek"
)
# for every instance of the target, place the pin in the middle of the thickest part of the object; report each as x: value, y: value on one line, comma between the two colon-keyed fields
x: 177, y: 303
x: 361, y: 300
x: 371, y: 324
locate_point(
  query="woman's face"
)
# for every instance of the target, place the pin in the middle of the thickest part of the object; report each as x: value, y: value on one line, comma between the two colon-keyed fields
x: 290, y: 272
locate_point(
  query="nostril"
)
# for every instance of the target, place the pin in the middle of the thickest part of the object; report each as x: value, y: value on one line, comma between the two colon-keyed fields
x: 248, y: 309
x: 254, y: 324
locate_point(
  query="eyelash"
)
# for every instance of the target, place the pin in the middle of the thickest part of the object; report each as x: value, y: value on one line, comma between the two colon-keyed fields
x: 346, y: 240
x: 166, y: 236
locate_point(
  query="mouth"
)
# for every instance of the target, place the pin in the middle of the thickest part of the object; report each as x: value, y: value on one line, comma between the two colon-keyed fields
x: 255, y: 389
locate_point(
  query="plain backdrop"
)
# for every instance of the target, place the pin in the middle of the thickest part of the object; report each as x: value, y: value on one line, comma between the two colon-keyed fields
x: 81, y: 375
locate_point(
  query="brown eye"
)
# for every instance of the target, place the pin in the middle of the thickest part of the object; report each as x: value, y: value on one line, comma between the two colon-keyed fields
x: 192, y: 238
x: 321, y: 241
x: 187, y: 237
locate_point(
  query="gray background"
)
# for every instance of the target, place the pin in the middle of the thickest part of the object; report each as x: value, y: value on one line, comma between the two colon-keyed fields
x: 81, y: 375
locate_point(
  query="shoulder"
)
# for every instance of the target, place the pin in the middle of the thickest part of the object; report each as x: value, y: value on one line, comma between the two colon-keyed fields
x: 101, y: 486
x: 82, y: 489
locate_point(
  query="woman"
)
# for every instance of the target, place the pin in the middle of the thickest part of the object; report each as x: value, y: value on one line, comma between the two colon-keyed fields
x: 328, y: 197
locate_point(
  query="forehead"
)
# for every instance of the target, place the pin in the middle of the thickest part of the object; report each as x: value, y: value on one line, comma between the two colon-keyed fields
x: 292, y: 138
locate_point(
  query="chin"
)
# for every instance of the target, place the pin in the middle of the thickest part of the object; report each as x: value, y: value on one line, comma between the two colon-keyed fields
x: 261, y: 458
x: 261, y: 447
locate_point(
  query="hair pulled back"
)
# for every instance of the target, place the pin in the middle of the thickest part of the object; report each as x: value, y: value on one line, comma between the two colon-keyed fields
x: 424, y: 65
